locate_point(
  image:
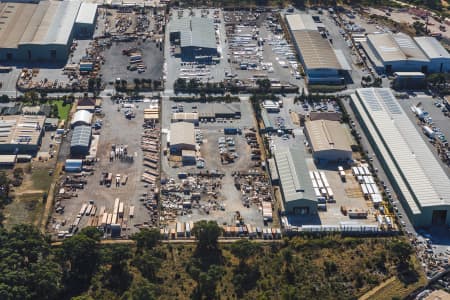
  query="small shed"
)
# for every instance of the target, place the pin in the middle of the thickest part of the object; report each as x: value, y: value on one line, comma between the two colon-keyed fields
x: 73, y: 165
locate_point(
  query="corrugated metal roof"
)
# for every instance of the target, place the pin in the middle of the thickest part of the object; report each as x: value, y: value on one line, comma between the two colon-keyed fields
x: 396, y: 47
x: 81, y: 136
x: 195, y: 32
x: 301, y: 22
x: 328, y: 135
x: 48, y: 22
x: 182, y: 133
x: 315, y: 50
x: 419, y: 169
x: 293, y: 173
x: 82, y: 116
x: 432, y: 48
x: 87, y: 13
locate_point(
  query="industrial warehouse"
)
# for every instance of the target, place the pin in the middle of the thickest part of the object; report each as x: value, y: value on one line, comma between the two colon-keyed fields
x: 328, y: 140
x: 195, y: 36
x: 182, y: 138
x: 297, y: 190
x: 400, y: 53
x: 21, y: 134
x: 43, y: 31
x: 416, y: 175
x: 322, y: 63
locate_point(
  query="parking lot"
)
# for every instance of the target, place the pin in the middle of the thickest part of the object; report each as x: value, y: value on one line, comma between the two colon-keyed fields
x: 231, y: 156
x: 439, y: 122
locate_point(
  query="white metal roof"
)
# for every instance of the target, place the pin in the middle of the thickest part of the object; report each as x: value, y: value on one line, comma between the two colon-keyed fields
x: 86, y: 14
x: 83, y: 116
x: 412, y: 160
x: 301, y: 22
x: 432, y: 47
x: 396, y: 47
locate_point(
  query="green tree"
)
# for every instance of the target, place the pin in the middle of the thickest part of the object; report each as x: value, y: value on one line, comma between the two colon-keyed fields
x: 141, y: 289
x: 207, y: 233
x: 81, y: 254
x: 244, y: 249
x: 27, y: 268
x: 146, y: 238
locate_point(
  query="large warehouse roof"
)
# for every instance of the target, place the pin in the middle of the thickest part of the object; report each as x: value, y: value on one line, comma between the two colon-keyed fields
x: 396, y: 47
x: 82, y: 116
x: 87, y: 13
x: 293, y: 173
x: 81, y: 136
x: 432, y: 48
x: 315, y: 50
x: 195, y: 32
x: 182, y: 133
x: 301, y: 22
x: 328, y: 135
x: 49, y: 22
x: 21, y: 129
x: 416, y: 170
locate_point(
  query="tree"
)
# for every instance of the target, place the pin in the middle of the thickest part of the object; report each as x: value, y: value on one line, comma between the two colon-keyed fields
x: 244, y: 249
x: 92, y: 232
x: 81, y: 254
x: 146, y: 238
x: 207, y: 233
x: 141, y: 290
x: 148, y: 264
x: 27, y: 268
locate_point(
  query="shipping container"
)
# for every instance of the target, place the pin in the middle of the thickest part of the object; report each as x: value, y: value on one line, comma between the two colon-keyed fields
x: 188, y: 229
x: 324, y: 179
x: 180, y: 229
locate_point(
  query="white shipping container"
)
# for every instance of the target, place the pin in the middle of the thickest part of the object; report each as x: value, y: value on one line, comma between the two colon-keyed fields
x: 317, y: 192
x: 375, y: 189
x: 364, y: 189
x: 366, y: 170
x: 314, y: 183
x: 361, y: 171
x: 317, y: 175
x: 369, y: 188
x: 330, y: 193
x: 324, y: 180
x: 355, y: 171
x: 320, y: 183
x: 311, y: 175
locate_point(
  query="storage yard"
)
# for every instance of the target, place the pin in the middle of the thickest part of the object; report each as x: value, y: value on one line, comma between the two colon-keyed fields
x: 223, y: 180
x: 120, y: 184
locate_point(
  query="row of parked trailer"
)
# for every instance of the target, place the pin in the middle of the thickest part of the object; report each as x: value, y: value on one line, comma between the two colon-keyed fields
x: 321, y: 188
x: 368, y: 185
x: 184, y: 230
